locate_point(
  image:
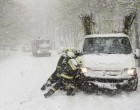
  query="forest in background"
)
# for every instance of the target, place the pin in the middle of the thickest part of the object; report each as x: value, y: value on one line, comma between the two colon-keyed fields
x: 63, y: 20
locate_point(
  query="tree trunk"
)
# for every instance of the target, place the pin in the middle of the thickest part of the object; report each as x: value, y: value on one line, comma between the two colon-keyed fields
x: 128, y: 22
x: 137, y: 33
x: 87, y: 24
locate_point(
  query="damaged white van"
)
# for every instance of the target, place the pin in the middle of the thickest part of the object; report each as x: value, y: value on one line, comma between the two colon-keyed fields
x: 109, y: 62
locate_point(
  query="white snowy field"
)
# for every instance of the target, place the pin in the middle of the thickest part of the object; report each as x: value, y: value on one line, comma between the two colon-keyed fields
x: 22, y: 75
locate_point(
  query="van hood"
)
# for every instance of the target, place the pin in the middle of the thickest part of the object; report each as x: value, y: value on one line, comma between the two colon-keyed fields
x: 108, y: 61
x: 44, y: 45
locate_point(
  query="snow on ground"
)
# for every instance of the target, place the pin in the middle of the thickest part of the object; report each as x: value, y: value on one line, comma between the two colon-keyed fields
x: 4, y: 54
x: 22, y: 75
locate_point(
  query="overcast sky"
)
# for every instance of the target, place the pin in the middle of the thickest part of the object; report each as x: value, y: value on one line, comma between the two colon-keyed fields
x: 33, y: 3
x: 42, y: 13
x: 37, y: 4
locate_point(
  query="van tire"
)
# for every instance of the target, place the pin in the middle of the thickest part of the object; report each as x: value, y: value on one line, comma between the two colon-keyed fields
x: 133, y: 86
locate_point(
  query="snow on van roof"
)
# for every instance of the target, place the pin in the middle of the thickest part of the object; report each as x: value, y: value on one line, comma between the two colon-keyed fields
x: 107, y: 35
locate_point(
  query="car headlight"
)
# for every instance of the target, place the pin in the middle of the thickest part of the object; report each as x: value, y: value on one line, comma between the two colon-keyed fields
x: 84, y: 70
x: 130, y: 72
x: 38, y: 51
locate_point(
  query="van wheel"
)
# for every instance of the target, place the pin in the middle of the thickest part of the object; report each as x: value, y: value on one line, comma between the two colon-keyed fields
x: 36, y: 55
x: 33, y: 54
x: 133, y: 84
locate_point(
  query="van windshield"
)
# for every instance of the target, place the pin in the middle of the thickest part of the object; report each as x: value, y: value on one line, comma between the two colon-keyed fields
x: 42, y: 41
x: 107, y: 45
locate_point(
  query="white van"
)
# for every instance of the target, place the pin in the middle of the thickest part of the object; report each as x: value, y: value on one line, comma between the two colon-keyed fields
x: 41, y: 47
x: 110, y: 62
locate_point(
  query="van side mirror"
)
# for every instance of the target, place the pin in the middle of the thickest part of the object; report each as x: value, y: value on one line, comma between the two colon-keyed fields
x: 137, y: 53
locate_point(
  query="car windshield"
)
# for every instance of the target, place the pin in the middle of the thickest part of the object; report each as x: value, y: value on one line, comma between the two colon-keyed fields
x: 107, y: 45
x: 42, y: 41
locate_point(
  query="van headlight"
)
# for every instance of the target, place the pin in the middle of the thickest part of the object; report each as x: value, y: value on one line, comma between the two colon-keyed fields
x: 84, y: 70
x: 38, y: 51
x: 130, y: 72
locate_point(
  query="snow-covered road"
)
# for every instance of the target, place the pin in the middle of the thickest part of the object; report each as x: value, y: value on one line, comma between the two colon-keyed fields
x: 22, y: 75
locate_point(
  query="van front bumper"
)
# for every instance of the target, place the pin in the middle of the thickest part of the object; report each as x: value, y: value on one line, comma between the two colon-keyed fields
x: 109, y: 82
x: 43, y: 52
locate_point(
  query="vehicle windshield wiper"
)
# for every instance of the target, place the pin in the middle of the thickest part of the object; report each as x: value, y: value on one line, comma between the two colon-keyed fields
x: 110, y: 53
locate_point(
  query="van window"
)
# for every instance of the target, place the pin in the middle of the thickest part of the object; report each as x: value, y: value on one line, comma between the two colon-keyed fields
x: 42, y: 41
x: 107, y: 45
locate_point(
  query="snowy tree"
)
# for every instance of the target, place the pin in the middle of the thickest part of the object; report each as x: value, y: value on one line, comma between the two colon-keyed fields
x: 106, y: 16
x: 12, y: 21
